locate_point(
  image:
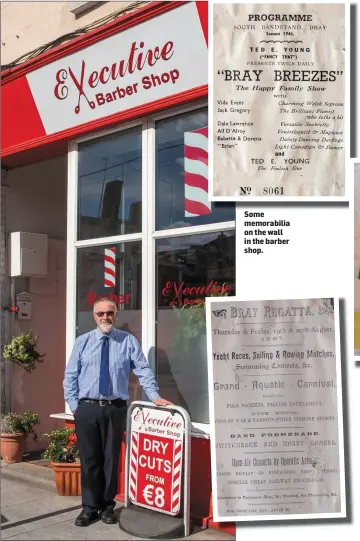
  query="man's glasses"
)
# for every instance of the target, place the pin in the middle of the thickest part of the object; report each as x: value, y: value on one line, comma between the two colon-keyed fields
x: 101, y: 314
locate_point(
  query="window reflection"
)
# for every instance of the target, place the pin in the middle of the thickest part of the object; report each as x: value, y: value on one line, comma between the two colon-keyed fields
x: 126, y: 291
x: 171, y: 211
x: 109, y: 183
x: 189, y: 269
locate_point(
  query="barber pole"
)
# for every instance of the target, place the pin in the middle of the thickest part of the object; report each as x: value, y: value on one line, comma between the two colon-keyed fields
x: 177, y: 476
x: 109, y: 267
x: 196, y: 173
x: 133, y: 464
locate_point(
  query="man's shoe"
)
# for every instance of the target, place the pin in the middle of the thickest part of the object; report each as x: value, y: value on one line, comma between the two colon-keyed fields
x: 108, y: 516
x: 86, y: 518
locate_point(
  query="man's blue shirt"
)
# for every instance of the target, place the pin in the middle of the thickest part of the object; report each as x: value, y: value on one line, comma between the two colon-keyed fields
x: 83, y: 369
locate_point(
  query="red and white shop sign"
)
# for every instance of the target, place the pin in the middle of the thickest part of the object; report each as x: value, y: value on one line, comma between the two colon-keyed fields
x: 161, y: 57
x: 156, y: 456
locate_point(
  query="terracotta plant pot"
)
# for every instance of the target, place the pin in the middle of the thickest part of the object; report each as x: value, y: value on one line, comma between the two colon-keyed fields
x: 67, y: 478
x: 12, y: 447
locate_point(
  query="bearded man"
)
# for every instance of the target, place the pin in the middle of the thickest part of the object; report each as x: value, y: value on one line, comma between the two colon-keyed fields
x: 96, y: 387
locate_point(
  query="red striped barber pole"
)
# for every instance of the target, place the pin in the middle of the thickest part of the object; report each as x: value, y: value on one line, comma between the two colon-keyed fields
x: 156, y: 459
x: 109, y: 267
x: 176, y: 485
x: 196, y: 173
x: 133, y: 464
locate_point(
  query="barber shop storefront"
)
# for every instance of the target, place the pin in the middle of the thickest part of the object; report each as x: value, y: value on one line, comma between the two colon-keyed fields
x: 126, y: 107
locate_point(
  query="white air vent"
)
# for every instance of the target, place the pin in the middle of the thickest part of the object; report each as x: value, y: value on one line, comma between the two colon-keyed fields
x: 28, y: 254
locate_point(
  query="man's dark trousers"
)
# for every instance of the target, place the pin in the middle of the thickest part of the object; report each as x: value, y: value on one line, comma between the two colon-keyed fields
x: 99, y: 431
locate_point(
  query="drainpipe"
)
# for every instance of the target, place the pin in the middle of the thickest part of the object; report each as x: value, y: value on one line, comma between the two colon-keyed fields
x: 5, y: 315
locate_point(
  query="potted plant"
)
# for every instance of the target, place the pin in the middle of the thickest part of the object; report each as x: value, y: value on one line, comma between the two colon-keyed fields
x: 63, y: 453
x: 14, y: 429
x: 22, y: 351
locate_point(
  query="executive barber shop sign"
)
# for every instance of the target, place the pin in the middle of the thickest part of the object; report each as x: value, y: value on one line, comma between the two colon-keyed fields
x: 182, y: 293
x: 142, y: 64
x: 156, y: 457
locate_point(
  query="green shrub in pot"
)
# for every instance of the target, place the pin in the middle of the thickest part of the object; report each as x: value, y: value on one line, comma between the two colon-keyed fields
x: 22, y: 351
x: 14, y: 429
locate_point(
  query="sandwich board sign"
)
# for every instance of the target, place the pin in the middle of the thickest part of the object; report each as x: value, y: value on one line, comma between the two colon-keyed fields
x: 158, y: 451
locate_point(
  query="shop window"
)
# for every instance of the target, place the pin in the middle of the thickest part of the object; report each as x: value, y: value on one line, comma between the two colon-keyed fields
x: 111, y: 271
x: 181, y: 174
x: 109, y: 185
x: 189, y: 269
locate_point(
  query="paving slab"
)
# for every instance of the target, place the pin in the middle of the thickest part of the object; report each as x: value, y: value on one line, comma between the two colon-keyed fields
x: 31, y: 510
x: 30, y: 471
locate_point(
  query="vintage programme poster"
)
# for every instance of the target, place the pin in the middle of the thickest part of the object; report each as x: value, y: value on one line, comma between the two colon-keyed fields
x: 276, y: 409
x: 277, y: 99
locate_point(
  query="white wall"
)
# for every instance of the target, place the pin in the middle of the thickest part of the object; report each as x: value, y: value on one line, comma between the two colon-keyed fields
x: 27, y: 25
x: 36, y: 203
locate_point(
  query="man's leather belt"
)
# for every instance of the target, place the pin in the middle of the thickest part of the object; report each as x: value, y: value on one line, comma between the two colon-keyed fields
x: 115, y: 402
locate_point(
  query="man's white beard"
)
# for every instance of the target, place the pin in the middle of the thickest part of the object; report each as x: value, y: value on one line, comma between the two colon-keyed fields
x: 106, y: 327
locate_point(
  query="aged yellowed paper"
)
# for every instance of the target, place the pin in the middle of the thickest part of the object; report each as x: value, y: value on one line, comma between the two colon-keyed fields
x: 274, y: 385
x: 278, y: 99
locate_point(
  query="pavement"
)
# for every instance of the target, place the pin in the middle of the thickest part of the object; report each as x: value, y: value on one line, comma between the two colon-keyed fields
x: 32, y: 510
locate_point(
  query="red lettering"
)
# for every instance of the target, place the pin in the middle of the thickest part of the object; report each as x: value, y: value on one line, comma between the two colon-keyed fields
x: 146, y: 419
x: 61, y: 90
x: 174, y: 75
x: 121, y: 92
x: 136, y: 60
x: 178, y: 290
x: 167, y: 289
x: 215, y: 290
x: 113, y: 71
x: 91, y: 298
x: 131, y: 56
x: 153, y: 56
x: 208, y: 287
x: 200, y: 290
x: 93, y: 79
x: 102, y: 75
x: 166, y: 50
x: 121, y: 299
x: 140, y: 62
x: 100, y: 98
x: 211, y: 289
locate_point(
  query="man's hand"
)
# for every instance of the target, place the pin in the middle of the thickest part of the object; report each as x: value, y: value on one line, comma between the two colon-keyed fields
x: 162, y: 402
